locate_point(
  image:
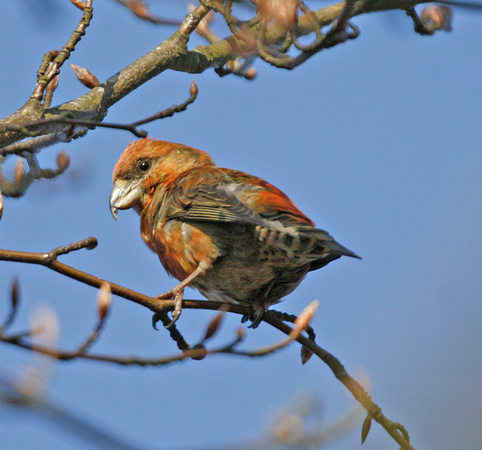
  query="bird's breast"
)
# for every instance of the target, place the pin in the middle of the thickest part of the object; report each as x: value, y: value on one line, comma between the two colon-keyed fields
x: 182, y: 247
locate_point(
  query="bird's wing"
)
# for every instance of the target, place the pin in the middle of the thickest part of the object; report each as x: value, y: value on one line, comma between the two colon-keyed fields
x: 266, y: 199
x: 204, y: 196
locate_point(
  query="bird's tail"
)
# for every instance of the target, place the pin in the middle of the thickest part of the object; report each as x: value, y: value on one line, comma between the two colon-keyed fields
x: 301, y: 243
x: 320, y: 247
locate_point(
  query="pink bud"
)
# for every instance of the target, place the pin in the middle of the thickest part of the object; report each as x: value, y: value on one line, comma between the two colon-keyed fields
x: 213, y: 326
x: 240, y: 332
x: 86, y: 77
x: 193, y: 90
x: 432, y: 14
x: 281, y: 12
x: 104, y: 300
x: 79, y: 3
x: 250, y: 73
x: 303, y: 320
x: 19, y: 171
x: 63, y: 161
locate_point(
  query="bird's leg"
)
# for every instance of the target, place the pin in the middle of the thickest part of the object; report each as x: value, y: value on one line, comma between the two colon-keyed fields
x: 177, y: 292
x: 256, y: 315
x: 259, y: 307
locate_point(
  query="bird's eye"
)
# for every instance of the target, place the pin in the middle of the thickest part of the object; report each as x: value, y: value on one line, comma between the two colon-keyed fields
x: 144, y: 165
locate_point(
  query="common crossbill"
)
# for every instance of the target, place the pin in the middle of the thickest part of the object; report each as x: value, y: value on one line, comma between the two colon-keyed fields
x: 233, y: 236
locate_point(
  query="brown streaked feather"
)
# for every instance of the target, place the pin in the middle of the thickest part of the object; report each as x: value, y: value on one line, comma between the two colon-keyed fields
x: 203, y: 196
x: 265, y: 199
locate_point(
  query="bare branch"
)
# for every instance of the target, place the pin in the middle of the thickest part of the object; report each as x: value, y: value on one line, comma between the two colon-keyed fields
x: 32, y: 145
x: 433, y: 18
x: 104, y: 300
x: 22, y: 179
x: 396, y: 430
x: 140, y: 9
x: 301, y: 323
x: 49, y: 260
x: 49, y: 69
x: 173, y: 54
x: 132, y: 127
x: 53, y: 68
x: 79, y: 3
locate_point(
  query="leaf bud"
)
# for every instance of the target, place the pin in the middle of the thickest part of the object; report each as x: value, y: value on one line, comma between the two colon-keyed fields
x: 86, y: 77
x: 104, y: 300
x: 19, y: 171
x: 63, y: 161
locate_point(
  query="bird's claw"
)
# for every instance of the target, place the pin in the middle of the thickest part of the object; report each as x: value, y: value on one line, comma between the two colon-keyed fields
x: 156, y: 317
x: 175, y: 316
x: 256, y: 316
x: 177, y: 295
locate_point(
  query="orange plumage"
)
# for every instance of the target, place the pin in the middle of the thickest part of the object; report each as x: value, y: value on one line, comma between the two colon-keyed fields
x: 233, y: 236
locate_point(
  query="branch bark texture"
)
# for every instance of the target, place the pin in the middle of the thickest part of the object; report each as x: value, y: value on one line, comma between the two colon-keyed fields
x: 171, y: 54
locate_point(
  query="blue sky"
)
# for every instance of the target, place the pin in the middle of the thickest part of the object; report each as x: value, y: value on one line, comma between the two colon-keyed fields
x: 377, y: 140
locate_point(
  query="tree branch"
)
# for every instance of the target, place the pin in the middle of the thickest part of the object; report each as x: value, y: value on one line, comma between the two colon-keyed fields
x: 49, y: 69
x: 173, y: 54
x: 132, y: 127
x: 49, y: 260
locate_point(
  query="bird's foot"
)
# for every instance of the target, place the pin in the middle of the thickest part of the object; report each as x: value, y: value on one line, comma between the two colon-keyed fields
x: 256, y: 316
x: 157, y: 317
x: 177, y: 294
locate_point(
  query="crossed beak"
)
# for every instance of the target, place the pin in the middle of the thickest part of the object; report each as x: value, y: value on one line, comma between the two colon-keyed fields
x: 124, y: 195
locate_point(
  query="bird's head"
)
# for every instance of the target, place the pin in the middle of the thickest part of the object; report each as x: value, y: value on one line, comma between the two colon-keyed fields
x: 146, y: 164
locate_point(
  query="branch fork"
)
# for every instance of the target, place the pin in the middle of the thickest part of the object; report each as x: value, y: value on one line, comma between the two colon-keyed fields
x: 199, y: 351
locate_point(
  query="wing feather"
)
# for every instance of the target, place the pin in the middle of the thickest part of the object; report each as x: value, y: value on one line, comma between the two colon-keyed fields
x: 204, y: 196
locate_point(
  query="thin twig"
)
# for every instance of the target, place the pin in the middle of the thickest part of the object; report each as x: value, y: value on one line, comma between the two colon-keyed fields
x: 23, y: 180
x: 139, y: 9
x: 174, y: 54
x: 176, y: 336
x: 197, y: 352
x: 14, y: 301
x: 419, y: 26
x: 64, y: 54
x: 272, y: 348
x: 193, y: 91
x: 396, y: 430
x: 49, y: 260
x: 34, y: 145
x: 132, y: 127
x: 93, y: 336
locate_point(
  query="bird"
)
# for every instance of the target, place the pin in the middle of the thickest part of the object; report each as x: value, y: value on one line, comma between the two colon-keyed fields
x: 232, y: 236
